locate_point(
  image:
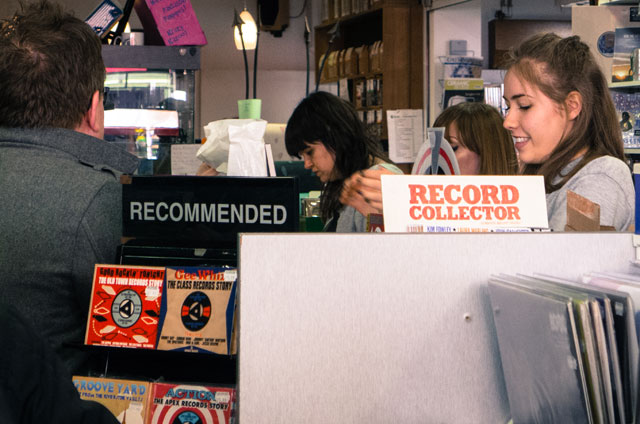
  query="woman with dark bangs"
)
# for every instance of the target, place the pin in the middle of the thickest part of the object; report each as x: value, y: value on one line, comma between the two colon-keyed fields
x: 327, y: 134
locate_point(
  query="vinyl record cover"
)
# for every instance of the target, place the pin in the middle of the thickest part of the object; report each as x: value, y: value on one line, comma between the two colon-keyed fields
x: 615, y: 362
x: 600, y: 352
x: 626, y: 41
x: 605, y: 360
x: 198, y: 310
x: 539, y: 350
x: 623, y: 330
x: 126, y: 399
x: 459, y: 90
x: 624, y: 294
x: 586, y: 333
x: 125, y: 306
x: 190, y: 404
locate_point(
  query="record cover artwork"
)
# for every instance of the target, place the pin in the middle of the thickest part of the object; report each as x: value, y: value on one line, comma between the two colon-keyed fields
x: 625, y: 295
x: 623, y: 330
x: 626, y: 41
x: 125, y: 306
x: 539, y: 350
x: 188, y: 404
x: 460, y: 90
x: 590, y: 308
x: 198, y: 310
x: 126, y: 399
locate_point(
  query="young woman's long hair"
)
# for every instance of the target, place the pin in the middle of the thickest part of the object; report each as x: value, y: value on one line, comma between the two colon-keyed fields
x: 326, y: 118
x: 480, y: 128
x: 558, y: 66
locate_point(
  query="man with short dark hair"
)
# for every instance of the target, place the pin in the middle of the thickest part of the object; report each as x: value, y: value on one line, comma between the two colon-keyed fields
x: 60, y: 196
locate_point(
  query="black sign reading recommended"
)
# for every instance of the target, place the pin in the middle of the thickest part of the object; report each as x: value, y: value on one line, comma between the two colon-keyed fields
x: 209, y: 209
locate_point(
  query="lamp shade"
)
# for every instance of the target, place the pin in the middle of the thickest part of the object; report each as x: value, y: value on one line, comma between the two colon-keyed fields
x: 249, y: 32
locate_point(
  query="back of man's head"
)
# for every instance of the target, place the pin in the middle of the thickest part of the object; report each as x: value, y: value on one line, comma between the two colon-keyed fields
x: 50, y: 66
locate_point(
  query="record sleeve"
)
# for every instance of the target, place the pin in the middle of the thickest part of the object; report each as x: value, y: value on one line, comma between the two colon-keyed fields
x: 604, y: 354
x: 182, y: 403
x: 598, y: 380
x: 128, y: 400
x: 540, y: 354
x: 623, y: 332
x: 198, y: 309
x: 630, y: 350
x: 615, y: 361
x: 125, y: 306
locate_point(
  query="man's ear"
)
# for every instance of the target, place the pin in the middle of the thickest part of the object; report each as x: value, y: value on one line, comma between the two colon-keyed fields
x: 573, y: 103
x: 91, y: 116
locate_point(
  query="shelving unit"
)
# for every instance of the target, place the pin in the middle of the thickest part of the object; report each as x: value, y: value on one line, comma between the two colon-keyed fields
x: 159, y: 365
x: 398, y: 23
x: 631, y: 152
x: 631, y: 85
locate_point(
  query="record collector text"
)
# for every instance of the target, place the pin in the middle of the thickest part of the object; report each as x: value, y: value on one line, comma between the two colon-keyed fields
x: 469, y: 202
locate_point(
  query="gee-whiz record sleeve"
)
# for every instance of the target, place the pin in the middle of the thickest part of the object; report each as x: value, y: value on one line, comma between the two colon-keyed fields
x: 182, y: 403
x: 125, y: 306
x: 198, y: 309
x: 128, y: 400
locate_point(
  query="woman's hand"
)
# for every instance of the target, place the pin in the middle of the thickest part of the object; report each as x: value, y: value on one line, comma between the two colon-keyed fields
x: 205, y: 170
x: 363, y: 191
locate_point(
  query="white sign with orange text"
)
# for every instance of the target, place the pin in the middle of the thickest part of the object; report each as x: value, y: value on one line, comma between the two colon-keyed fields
x: 461, y: 203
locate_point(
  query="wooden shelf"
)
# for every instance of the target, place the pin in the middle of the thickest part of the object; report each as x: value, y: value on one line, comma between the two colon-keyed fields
x: 354, y: 17
x: 365, y: 108
x: 369, y: 75
x: 625, y: 85
x: 398, y: 23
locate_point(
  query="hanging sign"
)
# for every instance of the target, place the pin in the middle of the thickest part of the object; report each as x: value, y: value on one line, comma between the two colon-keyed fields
x: 209, y: 209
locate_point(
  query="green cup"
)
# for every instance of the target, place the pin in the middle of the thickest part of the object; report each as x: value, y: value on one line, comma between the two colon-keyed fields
x: 249, y: 108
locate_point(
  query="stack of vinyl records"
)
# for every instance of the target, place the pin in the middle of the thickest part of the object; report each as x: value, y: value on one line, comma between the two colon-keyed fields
x: 569, y: 349
x: 147, y: 402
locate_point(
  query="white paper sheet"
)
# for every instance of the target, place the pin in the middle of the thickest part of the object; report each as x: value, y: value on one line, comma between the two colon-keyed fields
x: 406, y: 134
x: 184, y: 160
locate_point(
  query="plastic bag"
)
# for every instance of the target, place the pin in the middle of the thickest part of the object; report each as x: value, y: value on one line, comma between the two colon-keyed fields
x: 235, y: 146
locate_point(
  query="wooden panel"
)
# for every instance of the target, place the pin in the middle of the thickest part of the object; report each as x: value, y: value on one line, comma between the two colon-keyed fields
x: 395, y: 62
x: 504, y: 34
x: 398, y: 23
x: 416, y: 61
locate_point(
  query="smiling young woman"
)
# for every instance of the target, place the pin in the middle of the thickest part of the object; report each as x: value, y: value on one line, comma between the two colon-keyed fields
x: 565, y: 128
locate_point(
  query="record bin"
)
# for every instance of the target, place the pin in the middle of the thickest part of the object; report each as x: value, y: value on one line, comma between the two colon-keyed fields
x: 201, y: 244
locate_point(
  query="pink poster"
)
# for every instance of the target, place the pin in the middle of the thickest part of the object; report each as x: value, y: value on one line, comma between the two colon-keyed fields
x: 177, y: 22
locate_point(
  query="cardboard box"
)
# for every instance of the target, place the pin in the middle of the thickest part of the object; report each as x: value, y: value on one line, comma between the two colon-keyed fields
x: 350, y: 62
x: 363, y: 59
x: 374, y: 57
